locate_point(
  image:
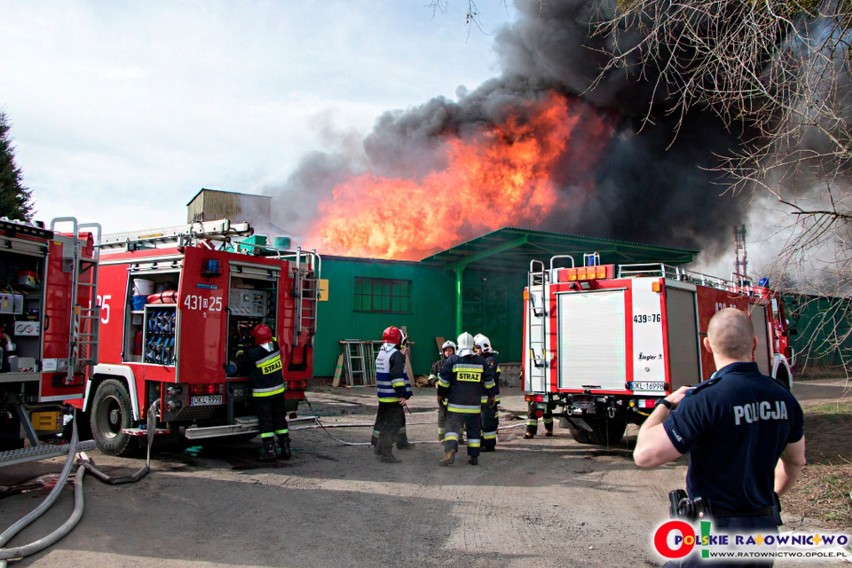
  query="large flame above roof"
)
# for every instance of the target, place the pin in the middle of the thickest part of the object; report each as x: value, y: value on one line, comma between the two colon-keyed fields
x: 500, y: 174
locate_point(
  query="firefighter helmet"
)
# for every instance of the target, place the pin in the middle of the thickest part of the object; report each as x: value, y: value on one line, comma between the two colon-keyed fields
x: 393, y: 335
x: 448, y: 345
x: 261, y: 333
x: 482, y: 342
x: 465, y: 341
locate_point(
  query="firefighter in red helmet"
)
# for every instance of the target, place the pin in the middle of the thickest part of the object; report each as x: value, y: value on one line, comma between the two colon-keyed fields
x: 262, y: 363
x: 393, y: 390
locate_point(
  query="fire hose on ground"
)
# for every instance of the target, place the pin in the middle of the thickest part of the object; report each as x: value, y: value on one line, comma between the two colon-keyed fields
x: 325, y: 427
x: 86, y: 464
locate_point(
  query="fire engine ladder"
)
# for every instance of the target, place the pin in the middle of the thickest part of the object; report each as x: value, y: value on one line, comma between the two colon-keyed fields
x: 84, y: 317
x: 306, y: 292
x: 536, y: 324
x: 182, y: 235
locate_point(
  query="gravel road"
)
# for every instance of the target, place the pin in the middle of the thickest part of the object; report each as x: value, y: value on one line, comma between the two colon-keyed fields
x: 542, y: 502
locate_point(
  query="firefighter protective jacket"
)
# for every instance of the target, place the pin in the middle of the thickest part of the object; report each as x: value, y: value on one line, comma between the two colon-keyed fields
x: 463, y: 383
x: 391, y: 381
x: 264, y: 369
x: 493, y: 365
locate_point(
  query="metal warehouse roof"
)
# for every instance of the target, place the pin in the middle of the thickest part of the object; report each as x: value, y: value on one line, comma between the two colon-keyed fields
x: 512, y: 249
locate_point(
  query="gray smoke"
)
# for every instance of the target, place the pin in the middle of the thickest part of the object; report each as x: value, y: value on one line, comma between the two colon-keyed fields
x: 644, y: 187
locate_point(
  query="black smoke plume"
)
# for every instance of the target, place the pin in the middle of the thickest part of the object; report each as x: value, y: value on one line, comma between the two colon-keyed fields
x: 646, y: 187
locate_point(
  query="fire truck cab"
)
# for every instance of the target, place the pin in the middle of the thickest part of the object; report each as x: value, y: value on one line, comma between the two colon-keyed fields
x: 48, y: 331
x: 176, y: 305
x: 603, y: 343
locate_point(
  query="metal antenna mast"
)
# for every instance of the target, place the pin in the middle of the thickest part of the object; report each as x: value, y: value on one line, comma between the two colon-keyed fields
x: 741, y: 261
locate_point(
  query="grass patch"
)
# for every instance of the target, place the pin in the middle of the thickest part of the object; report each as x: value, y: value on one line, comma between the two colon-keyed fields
x: 823, y: 490
x: 836, y: 408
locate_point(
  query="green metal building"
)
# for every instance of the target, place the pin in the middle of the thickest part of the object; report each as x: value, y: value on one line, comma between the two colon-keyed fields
x: 476, y: 286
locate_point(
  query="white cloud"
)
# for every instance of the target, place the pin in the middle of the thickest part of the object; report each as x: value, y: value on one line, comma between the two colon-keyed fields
x: 121, y: 111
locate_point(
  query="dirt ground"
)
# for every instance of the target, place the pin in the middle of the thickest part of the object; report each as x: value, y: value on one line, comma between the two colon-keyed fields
x: 542, y: 502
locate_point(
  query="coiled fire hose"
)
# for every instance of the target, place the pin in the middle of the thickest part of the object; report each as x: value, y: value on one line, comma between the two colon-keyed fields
x: 21, y: 552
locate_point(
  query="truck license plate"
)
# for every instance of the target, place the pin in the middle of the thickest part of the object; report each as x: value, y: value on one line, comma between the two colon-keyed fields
x: 647, y: 386
x: 205, y: 400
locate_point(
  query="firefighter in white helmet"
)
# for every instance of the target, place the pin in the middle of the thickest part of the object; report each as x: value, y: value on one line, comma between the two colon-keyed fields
x: 490, y: 420
x: 464, y: 379
x: 447, y: 349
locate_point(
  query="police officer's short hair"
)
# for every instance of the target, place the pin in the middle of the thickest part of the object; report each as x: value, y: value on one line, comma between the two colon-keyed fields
x: 731, y: 334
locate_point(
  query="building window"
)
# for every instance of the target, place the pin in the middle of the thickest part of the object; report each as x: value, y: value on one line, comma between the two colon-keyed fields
x: 382, y: 295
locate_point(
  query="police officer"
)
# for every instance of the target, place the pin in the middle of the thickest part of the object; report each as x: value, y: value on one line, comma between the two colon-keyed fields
x: 463, y: 381
x: 490, y: 420
x: 393, y: 391
x: 743, y: 431
x: 262, y: 363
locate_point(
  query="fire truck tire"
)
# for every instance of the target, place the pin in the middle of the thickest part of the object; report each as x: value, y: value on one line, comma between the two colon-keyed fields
x: 580, y: 436
x: 782, y: 377
x: 606, y: 432
x: 111, y: 411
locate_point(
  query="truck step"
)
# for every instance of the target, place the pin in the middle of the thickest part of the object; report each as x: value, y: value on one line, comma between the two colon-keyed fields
x: 41, y: 452
x: 144, y: 431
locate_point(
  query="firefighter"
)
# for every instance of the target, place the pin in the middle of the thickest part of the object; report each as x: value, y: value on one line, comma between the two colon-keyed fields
x: 262, y: 363
x: 490, y: 420
x: 447, y: 349
x: 393, y: 391
x: 464, y: 379
x: 532, y: 420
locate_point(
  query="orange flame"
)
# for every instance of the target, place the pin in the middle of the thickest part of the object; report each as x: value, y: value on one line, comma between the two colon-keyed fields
x: 499, y: 177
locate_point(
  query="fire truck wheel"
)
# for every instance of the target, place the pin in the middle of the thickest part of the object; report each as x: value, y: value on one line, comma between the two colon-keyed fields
x: 111, y: 412
x: 782, y: 377
x: 606, y: 432
x: 580, y: 436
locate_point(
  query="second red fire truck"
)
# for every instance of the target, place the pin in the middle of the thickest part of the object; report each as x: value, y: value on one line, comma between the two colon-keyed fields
x: 175, y: 306
x: 48, y: 331
x: 603, y: 343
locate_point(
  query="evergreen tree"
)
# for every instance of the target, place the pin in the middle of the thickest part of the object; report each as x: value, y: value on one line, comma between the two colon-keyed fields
x: 14, y: 197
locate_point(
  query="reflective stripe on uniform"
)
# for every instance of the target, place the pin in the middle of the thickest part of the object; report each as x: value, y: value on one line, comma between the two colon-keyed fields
x: 489, y: 435
x: 464, y: 408
x: 269, y: 391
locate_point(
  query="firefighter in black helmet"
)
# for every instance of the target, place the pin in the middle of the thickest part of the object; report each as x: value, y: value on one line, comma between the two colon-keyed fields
x: 262, y: 363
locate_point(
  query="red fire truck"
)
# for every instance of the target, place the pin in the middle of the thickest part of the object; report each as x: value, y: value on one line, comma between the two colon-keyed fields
x: 603, y: 343
x: 48, y: 331
x: 176, y: 304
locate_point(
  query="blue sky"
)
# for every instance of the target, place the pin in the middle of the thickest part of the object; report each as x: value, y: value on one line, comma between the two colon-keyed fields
x: 121, y: 111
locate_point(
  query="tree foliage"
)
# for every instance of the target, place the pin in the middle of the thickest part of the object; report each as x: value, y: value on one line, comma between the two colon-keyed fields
x: 14, y: 197
x: 778, y: 72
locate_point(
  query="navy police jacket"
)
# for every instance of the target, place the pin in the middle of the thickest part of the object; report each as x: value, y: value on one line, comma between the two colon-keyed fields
x: 735, y: 427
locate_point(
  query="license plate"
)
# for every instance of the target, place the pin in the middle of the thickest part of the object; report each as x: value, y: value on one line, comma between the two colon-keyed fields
x: 646, y: 386
x: 205, y: 400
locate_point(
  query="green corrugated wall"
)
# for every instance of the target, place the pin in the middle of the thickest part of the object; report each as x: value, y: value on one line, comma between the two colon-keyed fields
x: 822, y: 327
x: 432, y: 310
x: 492, y: 304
